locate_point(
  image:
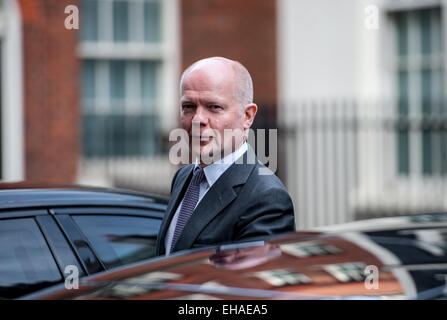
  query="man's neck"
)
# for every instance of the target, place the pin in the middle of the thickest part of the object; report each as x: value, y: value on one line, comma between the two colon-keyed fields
x: 226, y: 158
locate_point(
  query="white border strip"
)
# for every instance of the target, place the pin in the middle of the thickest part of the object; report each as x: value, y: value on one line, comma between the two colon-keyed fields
x: 12, y: 96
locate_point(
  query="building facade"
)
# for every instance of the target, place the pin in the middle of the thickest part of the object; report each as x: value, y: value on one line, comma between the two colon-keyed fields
x: 355, y: 88
x: 95, y: 105
x: 362, y: 92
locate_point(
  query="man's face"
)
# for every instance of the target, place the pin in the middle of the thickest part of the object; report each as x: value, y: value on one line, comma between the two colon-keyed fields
x: 208, y: 107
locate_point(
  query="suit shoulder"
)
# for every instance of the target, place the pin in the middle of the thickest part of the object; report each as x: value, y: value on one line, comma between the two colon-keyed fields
x: 263, y: 178
x: 184, y: 168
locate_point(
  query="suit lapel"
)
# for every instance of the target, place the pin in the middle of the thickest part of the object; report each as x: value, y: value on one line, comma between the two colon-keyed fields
x: 175, y: 198
x: 219, y: 196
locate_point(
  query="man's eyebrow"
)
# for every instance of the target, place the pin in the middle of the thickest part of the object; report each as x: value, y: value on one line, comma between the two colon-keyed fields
x: 215, y: 102
x: 211, y: 101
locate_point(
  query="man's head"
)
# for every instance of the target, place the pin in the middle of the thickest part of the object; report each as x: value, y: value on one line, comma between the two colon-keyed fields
x: 216, y: 95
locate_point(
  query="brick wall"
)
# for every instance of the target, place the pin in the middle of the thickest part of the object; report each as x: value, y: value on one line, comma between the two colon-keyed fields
x: 240, y: 30
x: 51, y: 91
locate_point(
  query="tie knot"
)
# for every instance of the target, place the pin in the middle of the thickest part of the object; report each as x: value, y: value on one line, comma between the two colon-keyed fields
x: 197, y: 176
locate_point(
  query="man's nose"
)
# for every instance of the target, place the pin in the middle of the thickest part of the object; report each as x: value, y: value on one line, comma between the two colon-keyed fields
x: 200, y: 117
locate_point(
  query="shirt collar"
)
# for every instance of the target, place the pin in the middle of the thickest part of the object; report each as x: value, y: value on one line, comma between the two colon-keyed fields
x: 216, y: 169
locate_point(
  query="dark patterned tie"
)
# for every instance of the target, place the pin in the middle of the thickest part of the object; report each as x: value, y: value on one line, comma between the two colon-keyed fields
x: 189, y: 203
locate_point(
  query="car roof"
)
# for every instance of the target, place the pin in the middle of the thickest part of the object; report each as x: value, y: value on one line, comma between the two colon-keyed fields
x: 32, y: 194
x: 408, y: 268
x: 388, y: 223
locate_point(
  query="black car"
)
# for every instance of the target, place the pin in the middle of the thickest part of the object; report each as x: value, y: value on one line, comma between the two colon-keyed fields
x: 45, y: 231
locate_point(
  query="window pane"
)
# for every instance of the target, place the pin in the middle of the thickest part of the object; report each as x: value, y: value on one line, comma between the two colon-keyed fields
x: 443, y: 151
x: 427, y: 134
x: 89, y: 18
x: 402, y: 137
x: 116, y: 127
x: 152, y: 12
x: 120, y: 21
x: 88, y: 83
x: 133, y: 136
x: 438, y: 102
x: 402, y: 80
x: 120, y: 240
x: 403, y: 93
x: 426, y: 86
x: 438, y: 39
x: 150, y: 135
x: 26, y: 263
x: 403, y: 152
x: 426, y: 32
x: 148, y: 83
x: 117, y: 84
x: 442, y: 107
x: 121, y: 135
x: 94, y: 135
x: 402, y: 33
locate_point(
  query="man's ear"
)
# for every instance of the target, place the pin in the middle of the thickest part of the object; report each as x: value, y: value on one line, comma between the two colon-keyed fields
x: 249, y: 114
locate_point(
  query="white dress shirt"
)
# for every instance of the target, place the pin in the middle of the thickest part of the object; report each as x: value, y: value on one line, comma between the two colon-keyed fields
x: 212, y: 173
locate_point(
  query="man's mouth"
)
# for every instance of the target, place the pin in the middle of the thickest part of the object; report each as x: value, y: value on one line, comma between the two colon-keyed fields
x: 202, y: 139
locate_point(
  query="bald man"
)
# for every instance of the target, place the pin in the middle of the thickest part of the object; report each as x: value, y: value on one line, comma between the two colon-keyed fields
x: 222, y: 197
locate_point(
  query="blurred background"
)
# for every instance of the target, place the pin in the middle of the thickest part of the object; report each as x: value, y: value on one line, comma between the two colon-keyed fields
x: 355, y: 88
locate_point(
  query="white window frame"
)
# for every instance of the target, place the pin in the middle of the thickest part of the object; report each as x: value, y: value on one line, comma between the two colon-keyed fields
x: 12, y: 93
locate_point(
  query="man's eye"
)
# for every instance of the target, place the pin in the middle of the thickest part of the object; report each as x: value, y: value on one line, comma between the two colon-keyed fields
x: 215, y: 107
x: 187, y: 106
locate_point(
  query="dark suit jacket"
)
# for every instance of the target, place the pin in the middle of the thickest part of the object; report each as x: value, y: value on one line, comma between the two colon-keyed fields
x: 240, y: 205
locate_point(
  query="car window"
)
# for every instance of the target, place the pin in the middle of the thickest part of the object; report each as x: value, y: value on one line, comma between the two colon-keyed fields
x: 26, y: 263
x: 120, y: 240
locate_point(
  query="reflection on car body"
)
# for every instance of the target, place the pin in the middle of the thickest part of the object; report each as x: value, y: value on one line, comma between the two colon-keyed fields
x: 409, y: 255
